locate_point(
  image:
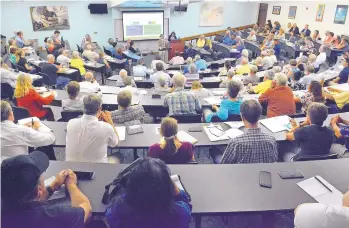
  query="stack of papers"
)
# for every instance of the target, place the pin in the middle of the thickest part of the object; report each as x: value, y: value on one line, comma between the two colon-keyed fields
x: 216, y: 133
x: 185, y: 137
x: 277, y: 124
x: 235, y: 124
x: 121, y: 130
x: 29, y: 120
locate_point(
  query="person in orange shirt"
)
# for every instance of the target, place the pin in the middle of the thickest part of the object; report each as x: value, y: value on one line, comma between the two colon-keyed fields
x: 279, y: 98
x: 28, y: 98
x: 329, y: 37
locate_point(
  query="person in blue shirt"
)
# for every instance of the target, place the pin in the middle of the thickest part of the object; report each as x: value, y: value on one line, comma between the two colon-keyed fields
x: 277, y: 48
x: 306, y: 31
x: 343, y: 75
x: 228, y: 106
x: 151, y: 200
x: 189, y: 51
x: 19, y: 39
x: 186, y: 67
x: 111, y: 47
x: 227, y: 38
x: 200, y: 63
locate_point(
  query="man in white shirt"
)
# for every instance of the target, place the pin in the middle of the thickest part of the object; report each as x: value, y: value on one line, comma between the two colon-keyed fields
x: 128, y: 86
x: 89, y: 54
x: 63, y: 58
x: 309, y: 76
x: 321, y: 58
x: 157, y: 60
x: 87, y: 137
x: 89, y: 85
x: 155, y: 77
x: 316, y: 215
x: 140, y: 70
x: 15, y: 139
x: 177, y: 60
x: 266, y: 61
x: 8, y: 77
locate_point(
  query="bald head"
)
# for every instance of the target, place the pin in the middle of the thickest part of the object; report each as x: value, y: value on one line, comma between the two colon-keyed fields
x: 89, y: 77
x: 6, y: 111
x: 50, y: 59
x: 178, y: 80
x: 123, y: 73
x: 89, y: 47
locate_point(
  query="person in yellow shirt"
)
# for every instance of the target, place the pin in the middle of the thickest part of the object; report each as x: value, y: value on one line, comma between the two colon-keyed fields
x: 201, y: 42
x: 339, y: 96
x: 244, y: 68
x: 78, y: 63
x: 263, y: 86
x: 208, y: 43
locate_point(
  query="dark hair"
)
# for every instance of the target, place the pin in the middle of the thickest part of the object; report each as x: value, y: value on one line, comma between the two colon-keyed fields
x: 169, y: 129
x: 176, y: 53
x: 317, y: 113
x: 124, y: 98
x: 45, y: 40
x: 13, y: 50
x: 332, y: 34
x: 73, y: 89
x: 316, y: 32
x: 297, y: 75
x: 131, y: 43
x: 227, y: 64
x: 19, y: 33
x: 301, y: 67
x: 159, y: 66
x: 233, y: 89
x: 57, y: 32
x: 346, y: 60
x: 150, y: 189
x: 251, y: 111
x: 315, y: 88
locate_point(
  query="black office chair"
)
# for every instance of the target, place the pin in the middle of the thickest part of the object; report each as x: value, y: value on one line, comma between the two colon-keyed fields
x: 79, y: 49
x: 196, y: 118
x: 298, y: 115
x: 192, y: 162
x: 20, y: 68
x: 47, y: 81
x: 6, y: 91
x: 214, y: 66
x: 20, y: 113
x: 68, y: 115
x: 345, y: 108
x: 234, y: 117
x: 316, y: 157
x: 107, y: 52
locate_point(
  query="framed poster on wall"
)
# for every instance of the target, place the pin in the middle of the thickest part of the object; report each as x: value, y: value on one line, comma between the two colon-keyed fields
x: 49, y: 18
x: 341, y: 14
x: 292, y: 12
x: 320, y: 12
x: 276, y: 10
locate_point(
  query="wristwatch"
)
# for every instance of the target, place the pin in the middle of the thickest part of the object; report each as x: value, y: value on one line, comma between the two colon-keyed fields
x: 49, y: 190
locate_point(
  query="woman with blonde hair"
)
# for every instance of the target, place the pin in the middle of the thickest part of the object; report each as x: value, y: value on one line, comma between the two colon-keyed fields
x: 198, y: 90
x: 78, y: 63
x: 28, y: 98
x: 21, y: 61
x: 281, y: 34
x: 170, y: 149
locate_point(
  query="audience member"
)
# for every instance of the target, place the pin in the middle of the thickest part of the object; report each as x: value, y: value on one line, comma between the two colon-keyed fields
x: 301, y: 40
x: 90, y: 85
x: 20, y: 42
x: 63, y: 58
x: 163, y: 88
x: 189, y: 52
x: 189, y: 103
x: 84, y: 132
x: 295, y: 29
x: 200, y: 63
x: 343, y: 75
x: 280, y: 35
x: 253, y: 146
x: 240, y: 45
x: 111, y: 47
x: 279, y: 98
x: 200, y: 43
x: 102, y: 60
x: 77, y: 63
x: 244, y: 54
x: 6, y: 75
x: 51, y: 70
x: 309, y: 46
x: 22, y: 61
x: 177, y: 60
x: 276, y: 50
x: 226, y: 68
x: 314, y: 94
x: 265, y: 85
x: 186, y: 67
x: 259, y: 63
x: 342, y: 130
x: 252, y: 77
x: 244, y: 68
x: 119, y: 54
x: 335, y: 41
x: 329, y: 37
x: 316, y: 36
x: 128, y: 86
x: 198, y: 90
x: 160, y: 73
x: 56, y: 37
x: 341, y: 97
x: 252, y: 36
x: 292, y: 38
x: 343, y: 45
x: 311, y: 136
x: 295, y: 84
x: 271, y: 54
x: 170, y: 149
x: 85, y: 41
x: 24, y: 195
x: 227, y: 40
x: 158, y: 60
x: 73, y: 103
x: 89, y: 54
x: 140, y: 70
x: 132, y: 48
x: 28, y: 98
x: 267, y: 62
x: 309, y: 75
x: 306, y: 31
x: 121, y: 83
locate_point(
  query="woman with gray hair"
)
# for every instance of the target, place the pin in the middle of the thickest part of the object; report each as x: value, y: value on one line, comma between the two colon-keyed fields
x: 198, y: 90
x: 229, y: 78
x: 244, y: 54
x: 163, y: 88
x: 77, y: 63
x: 188, y: 61
x: 192, y: 75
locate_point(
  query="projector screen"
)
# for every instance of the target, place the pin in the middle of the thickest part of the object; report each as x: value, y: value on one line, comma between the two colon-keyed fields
x: 143, y: 25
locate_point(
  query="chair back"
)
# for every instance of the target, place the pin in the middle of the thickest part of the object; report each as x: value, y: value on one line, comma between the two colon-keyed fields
x: 20, y: 113
x: 79, y: 49
x: 46, y: 80
x: 20, y: 68
x: 345, y: 108
x: 196, y: 118
x: 192, y: 162
x: 317, y: 157
x: 6, y: 91
x: 68, y: 115
x: 233, y: 117
x: 107, y: 52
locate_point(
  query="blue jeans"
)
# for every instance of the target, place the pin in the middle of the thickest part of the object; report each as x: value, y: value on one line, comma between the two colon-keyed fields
x: 62, y: 82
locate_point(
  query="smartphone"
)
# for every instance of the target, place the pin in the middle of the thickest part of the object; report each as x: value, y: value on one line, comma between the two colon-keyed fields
x: 195, y: 129
x: 84, y: 175
x: 265, y: 179
x: 291, y: 174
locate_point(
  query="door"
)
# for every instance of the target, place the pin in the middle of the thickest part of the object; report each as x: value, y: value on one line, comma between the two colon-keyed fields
x: 262, y: 16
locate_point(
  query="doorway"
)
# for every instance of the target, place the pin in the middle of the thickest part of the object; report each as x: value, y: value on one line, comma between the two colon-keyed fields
x: 262, y: 16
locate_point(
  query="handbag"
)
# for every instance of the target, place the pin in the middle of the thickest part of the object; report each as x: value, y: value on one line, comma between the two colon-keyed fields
x: 119, y: 182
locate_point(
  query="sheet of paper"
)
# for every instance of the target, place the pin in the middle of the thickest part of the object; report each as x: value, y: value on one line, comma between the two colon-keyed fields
x: 29, y: 120
x: 235, y: 124
x: 212, y: 100
x: 177, y: 181
x: 233, y: 133
x: 157, y: 130
x: 185, y: 137
x: 219, y: 92
x: 319, y: 192
x: 121, y: 132
x: 142, y: 92
x: 215, y: 137
x: 41, y: 89
x: 277, y: 124
x: 138, y: 78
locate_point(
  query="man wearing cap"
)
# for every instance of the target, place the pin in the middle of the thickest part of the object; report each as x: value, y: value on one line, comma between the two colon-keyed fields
x: 24, y: 195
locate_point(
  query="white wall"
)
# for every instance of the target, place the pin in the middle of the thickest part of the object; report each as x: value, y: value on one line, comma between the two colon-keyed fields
x: 306, y: 13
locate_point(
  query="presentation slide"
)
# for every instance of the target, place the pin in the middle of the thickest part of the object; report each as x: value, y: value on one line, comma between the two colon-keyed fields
x: 143, y: 25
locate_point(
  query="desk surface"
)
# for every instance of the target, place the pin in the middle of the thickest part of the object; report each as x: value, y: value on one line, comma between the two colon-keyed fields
x: 224, y: 188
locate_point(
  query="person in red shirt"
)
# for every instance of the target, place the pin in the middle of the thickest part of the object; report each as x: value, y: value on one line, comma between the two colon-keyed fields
x: 279, y: 98
x: 28, y: 98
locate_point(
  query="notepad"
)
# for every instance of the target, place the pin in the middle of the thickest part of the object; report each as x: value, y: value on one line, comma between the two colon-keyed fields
x: 121, y: 132
x: 212, y: 100
x: 29, y: 120
x: 41, y: 89
x: 142, y: 92
x: 185, y: 137
x: 219, y: 92
x: 235, y: 124
x: 319, y: 192
x: 277, y: 124
x: 138, y: 78
x: 216, y: 133
x: 176, y: 179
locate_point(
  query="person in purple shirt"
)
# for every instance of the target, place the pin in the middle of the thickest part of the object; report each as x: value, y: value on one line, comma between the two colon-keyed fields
x: 151, y: 200
x: 170, y: 149
x: 341, y: 131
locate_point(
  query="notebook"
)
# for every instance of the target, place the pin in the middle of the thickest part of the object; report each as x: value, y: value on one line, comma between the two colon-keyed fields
x: 121, y: 132
x: 185, y: 137
x: 138, y: 78
x: 217, y: 133
x: 41, y: 89
x: 318, y: 188
x: 277, y: 124
x: 34, y: 119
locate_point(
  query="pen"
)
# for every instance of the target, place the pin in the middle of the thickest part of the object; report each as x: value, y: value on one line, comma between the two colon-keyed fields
x: 323, y: 183
x: 32, y: 123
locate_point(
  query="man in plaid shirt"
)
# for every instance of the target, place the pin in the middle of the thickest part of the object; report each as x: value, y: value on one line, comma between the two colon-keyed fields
x: 253, y: 146
x: 181, y: 102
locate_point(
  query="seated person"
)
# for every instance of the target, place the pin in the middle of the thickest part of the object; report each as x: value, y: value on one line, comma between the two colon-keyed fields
x: 63, y: 58
x: 89, y: 54
x: 226, y: 68
x: 28, y: 205
x: 13, y: 51
x: 119, y: 54
x: 198, y: 90
x: 140, y: 70
x: 200, y: 63
x: 341, y: 131
x: 90, y: 85
x: 170, y: 149
x: 15, y: 138
x: 192, y: 75
x: 189, y: 51
x: 78, y: 63
x: 277, y: 49
x: 271, y: 54
x: 22, y: 61
x: 292, y: 38
x: 328, y: 38
x: 228, y: 40
x: 7, y: 76
x: 158, y: 60
x: 309, y: 46
x: 228, y: 106
x: 102, y: 60
x: 277, y: 69
x: 252, y: 36
x: 268, y: 42
x: 313, y: 62
x: 84, y: 132
x: 86, y: 41
x: 267, y: 61
x: 165, y: 199
x: 208, y: 45
x: 128, y: 86
x: 127, y: 112
x: 316, y: 36
x: 314, y: 94
x: 295, y: 83
x: 111, y: 47
x: 240, y: 45
x: 343, y: 45
x: 291, y: 68
x: 132, y: 48
x: 244, y: 54
x: 186, y: 67
x: 49, y: 45
x: 263, y: 86
x: 74, y: 103
x: 228, y: 79
x: 254, y: 146
x: 306, y: 31
x: 312, y: 137
x: 343, y: 75
x: 177, y: 60
x: 280, y: 35
x: 51, y: 70
x: 28, y: 98
x: 160, y: 73
x: 190, y: 103
x: 279, y: 98
x: 252, y: 78
x: 335, y: 41
x: 259, y: 63
x: 244, y: 68
x: 341, y: 97
x: 200, y: 43
x: 123, y: 75
x: 163, y: 88
x: 301, y: 41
